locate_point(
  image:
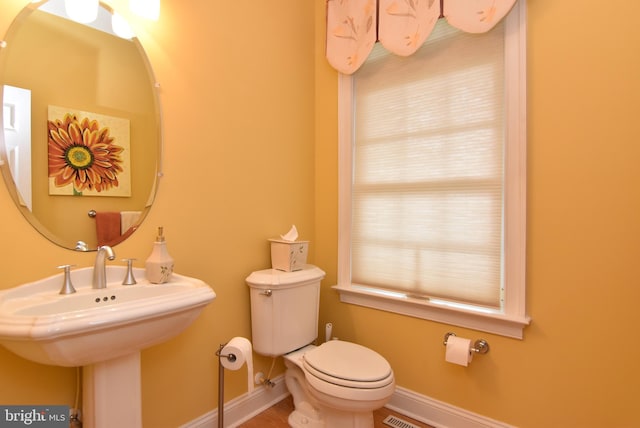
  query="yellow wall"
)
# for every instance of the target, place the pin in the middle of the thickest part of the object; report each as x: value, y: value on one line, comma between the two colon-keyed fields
x: 577, y: 366
x: 236, y: 87
x: 250, y: 130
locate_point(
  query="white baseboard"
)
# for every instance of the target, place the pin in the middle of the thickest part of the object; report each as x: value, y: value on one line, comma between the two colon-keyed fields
x: 437, y: 413
x: 403, y: 401
x: 244, y: 407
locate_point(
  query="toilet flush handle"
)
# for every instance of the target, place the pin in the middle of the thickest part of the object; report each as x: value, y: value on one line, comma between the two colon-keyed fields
x: 267, y: 293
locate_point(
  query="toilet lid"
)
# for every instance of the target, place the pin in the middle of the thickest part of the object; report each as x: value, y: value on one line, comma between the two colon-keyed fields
x: 348, y: 364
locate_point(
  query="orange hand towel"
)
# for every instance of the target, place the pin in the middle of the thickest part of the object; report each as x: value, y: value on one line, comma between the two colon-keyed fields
x: 108, y: 228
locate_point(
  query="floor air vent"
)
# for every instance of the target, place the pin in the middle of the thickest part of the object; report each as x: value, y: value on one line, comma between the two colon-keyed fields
x: 396, y: 422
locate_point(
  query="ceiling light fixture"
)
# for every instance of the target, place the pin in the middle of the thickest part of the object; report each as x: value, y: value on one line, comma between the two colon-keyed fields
x: 121, y: 27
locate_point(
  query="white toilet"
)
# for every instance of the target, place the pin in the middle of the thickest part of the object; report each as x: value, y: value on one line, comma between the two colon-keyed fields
x: 335, y: 385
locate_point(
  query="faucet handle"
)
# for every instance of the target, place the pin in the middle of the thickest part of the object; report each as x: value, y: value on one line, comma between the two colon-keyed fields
x: 67, y: 286
x: 129, y: 279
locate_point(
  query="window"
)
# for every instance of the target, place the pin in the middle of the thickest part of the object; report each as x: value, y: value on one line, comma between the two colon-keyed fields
x: 432, y: 179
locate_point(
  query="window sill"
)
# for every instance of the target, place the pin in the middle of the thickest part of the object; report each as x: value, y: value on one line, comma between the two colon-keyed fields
x: 491, y: 322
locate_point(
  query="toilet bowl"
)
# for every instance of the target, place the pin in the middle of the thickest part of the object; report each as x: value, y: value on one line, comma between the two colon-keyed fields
x: 337, y: 384
x: 334, y: 385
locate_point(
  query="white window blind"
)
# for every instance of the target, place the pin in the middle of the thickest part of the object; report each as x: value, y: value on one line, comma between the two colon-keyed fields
x: 428, y: 168
x: 432, y: 205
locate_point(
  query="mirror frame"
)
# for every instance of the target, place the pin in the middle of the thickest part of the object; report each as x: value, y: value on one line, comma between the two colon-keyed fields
x: 77, y: 244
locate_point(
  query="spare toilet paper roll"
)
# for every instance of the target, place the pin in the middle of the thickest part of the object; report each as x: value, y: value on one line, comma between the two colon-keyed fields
x: 240, y: 347
x: 458, y: 351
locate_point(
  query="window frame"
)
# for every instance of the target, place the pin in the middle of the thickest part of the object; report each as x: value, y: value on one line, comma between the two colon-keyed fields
x: 512, y: 320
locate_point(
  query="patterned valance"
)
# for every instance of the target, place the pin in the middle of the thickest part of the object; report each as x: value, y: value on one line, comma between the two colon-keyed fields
x: 402, y: 26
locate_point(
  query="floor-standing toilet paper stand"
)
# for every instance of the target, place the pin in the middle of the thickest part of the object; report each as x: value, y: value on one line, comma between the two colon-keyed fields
x: 231, y: 358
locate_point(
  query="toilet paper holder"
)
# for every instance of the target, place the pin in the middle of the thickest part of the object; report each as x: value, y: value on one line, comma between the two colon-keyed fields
x: 231, y: 357
x: 480, y: 346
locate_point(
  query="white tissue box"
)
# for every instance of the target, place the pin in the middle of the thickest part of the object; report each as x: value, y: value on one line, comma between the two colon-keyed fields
x: 288, y: 256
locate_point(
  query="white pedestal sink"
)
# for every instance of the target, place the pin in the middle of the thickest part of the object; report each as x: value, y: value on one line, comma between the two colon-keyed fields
x: 101, y: 330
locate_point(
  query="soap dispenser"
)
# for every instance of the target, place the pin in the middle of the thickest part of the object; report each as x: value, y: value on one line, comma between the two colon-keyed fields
x: 159, y: 265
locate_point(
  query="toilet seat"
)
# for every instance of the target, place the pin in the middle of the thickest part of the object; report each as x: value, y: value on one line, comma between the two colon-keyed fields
x: 348, y: 370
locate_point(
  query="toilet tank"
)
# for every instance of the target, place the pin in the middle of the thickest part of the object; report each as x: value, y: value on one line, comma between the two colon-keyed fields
x: 284, y: 309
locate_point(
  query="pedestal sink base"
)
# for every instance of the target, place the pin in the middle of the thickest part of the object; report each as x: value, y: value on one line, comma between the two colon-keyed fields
x: 111, y: 394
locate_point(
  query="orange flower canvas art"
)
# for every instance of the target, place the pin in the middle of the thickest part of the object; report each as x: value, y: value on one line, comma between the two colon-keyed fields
x: 88, y: 154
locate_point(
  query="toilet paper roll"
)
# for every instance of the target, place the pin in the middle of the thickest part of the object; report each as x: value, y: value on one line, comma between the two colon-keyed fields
x: 458, y: 351
x: 239, y: 347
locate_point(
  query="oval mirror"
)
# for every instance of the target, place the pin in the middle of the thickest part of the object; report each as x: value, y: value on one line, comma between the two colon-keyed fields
x: 80, y: 146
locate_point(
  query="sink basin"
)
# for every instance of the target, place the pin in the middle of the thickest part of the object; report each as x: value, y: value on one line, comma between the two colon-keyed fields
x: 91, y: 326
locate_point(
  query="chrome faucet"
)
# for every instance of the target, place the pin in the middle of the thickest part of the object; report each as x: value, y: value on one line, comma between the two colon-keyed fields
x: 100, y: 267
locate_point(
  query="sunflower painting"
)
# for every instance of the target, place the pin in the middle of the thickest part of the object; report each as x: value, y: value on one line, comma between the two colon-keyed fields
x: 88, y: 154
